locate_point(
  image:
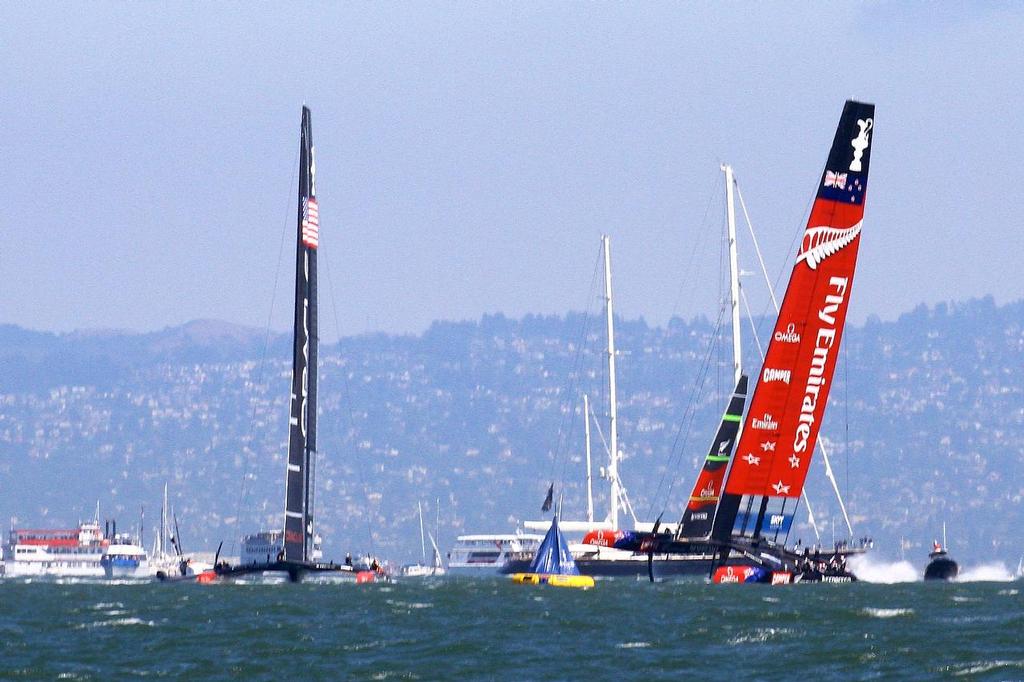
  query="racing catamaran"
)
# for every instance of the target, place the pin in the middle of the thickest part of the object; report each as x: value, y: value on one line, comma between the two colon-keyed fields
x: 750, y: 521
x: 296, y: 558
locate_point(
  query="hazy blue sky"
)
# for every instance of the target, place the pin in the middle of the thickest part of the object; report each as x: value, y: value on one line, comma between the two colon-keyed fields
x: 470, y: 155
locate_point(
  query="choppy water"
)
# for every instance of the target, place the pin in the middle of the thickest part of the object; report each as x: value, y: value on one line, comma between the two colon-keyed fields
x: 491, y: 629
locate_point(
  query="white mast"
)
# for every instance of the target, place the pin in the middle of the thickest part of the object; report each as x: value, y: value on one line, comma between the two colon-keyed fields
x: 163, y: 524
x: 423, y: 545
x: 586, y: 431
x: 437, y: 531
x: 734, y: 274
x: 613, y: 468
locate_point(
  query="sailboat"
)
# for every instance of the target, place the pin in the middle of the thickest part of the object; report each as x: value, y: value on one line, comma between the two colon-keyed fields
x: 752, y: 517
x: 553, y: 564
x: 297, y: 557
x: 607, y: 549
x: 422, y: 570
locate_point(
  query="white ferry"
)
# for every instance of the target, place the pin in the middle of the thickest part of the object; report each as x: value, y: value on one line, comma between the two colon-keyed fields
x: 55, y: 552
x: 482, y: 555
x: 125, y: 559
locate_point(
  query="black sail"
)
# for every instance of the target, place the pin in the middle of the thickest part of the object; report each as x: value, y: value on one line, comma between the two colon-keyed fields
x: 298, y: 521
x: 707, y: 490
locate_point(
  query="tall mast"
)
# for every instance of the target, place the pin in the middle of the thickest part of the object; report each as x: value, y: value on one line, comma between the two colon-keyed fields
x: 586, y: 431
x: 734, y: 274
x: 613, y: 468
x: 423, y: 544
x: 298, y: 521
x: 163, y: 524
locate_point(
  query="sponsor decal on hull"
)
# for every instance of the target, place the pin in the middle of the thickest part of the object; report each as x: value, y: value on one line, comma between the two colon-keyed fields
x: 728, y: 575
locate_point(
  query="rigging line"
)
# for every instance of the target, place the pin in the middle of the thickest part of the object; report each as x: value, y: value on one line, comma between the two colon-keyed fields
x: 846, y: 414
x: 243, y: 493
x: 778, y: 278
x: 572, y: 381
x: 702, y: 238
x: 750, y: 319
x: 675, y: 455
x: 698, y: 391
x: 348, y: 404
x: 567, y: 403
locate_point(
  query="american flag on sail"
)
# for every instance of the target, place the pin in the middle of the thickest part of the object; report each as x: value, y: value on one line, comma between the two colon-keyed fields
x: 310, y: 222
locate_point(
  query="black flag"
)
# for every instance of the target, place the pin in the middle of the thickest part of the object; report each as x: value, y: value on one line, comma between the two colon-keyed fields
x: 549, y: 499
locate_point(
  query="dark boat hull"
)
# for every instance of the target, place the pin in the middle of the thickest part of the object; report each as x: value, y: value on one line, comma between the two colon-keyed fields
x: 295, y: 571
x: 941, y: 568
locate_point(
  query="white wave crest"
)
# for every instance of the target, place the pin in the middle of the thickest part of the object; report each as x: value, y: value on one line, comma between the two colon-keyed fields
x: 982, y: 667
x: 760, y: 635
x: 633, y: 645
x: 117, y: 622
x: 886, y: 613
x: 873, y: 570
x: 995, y: 572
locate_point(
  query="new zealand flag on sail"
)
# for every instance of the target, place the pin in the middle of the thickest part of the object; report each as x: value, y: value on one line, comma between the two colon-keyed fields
x: 843, y: 186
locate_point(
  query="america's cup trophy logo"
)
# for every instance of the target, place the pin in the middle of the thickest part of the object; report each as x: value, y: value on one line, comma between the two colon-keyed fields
x: 861, y: 142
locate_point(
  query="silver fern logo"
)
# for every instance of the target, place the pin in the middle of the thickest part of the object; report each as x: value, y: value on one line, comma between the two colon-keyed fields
x: 821, y: 242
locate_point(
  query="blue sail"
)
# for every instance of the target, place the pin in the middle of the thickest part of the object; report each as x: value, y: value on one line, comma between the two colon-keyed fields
x: 553, y: 557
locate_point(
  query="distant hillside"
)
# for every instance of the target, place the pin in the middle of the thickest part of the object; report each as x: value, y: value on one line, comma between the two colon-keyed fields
x: 926, y: 423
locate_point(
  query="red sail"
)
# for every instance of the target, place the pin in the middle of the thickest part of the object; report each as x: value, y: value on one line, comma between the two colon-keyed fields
x: 782, y: 425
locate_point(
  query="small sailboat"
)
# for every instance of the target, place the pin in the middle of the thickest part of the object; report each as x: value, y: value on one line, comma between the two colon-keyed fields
x: 608, y: 547
x: 553, y: 564
x: 941, y: 566
x: 423, y: 570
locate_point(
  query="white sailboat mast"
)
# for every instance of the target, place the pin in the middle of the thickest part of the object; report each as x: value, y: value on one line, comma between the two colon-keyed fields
x: 163, y: 524
x: 423, y: 545
x: 613, y: 468
x: 586, y: 432
x: 734, y: 274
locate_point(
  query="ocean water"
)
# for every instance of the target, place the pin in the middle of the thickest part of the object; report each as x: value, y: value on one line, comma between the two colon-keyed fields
x: 491, y: 629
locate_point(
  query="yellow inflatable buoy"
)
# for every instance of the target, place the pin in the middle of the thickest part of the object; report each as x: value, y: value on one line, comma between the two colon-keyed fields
x: 555, y: 580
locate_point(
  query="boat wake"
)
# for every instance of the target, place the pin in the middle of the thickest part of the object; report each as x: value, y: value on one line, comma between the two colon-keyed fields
x: 872, y: 570
x: 995, y: 572
x: 886, y: 613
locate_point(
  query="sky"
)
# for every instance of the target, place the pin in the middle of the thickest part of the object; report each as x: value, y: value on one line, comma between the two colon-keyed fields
x: 470, y: 155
